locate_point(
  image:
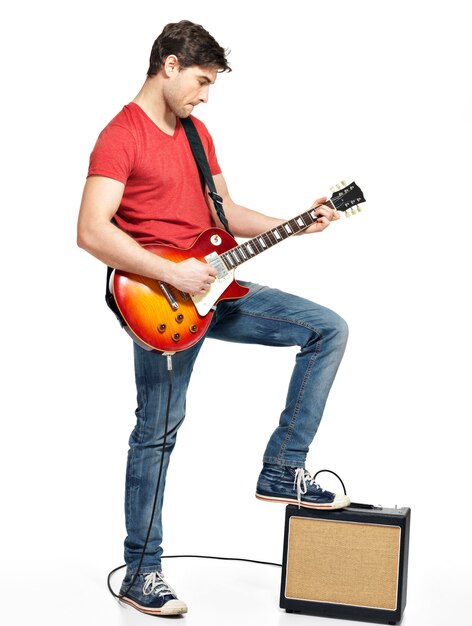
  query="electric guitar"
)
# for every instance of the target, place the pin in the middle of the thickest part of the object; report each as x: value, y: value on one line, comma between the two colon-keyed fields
x: 160, y: 317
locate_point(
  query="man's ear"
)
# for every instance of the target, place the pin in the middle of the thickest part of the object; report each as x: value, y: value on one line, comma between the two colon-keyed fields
x: 171, y: 65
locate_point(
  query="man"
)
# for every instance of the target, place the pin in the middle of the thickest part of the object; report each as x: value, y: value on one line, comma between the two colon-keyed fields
x: 143, y: 187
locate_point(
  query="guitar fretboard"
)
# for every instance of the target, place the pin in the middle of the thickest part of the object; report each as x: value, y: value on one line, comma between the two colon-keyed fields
x: 251, y: 248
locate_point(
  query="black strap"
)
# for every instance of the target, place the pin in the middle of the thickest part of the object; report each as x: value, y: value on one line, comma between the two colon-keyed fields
x: 204, y: 168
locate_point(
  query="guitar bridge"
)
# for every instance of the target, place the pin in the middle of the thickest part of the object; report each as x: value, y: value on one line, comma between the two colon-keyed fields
x: 170, y: 298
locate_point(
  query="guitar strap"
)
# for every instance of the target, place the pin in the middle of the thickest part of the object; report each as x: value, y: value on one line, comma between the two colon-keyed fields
x: 110, y: 299
x: 204, y: 168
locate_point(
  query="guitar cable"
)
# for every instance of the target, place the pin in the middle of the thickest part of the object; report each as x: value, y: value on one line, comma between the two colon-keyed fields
x: 156, y: 494
x: 154, y: 506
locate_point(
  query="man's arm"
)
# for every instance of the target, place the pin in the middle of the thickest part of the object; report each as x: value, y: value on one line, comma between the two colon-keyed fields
x: 100, y: 237
x: 245, y: 222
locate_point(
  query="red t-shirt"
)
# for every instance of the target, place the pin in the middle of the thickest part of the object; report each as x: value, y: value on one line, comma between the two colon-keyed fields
x: 163, y: 200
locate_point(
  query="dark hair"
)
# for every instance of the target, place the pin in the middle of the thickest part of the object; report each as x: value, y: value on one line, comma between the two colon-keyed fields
x: 191, y: 44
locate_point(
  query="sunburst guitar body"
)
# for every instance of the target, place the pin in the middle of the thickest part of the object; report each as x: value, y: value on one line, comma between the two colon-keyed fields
x: 160, y: 317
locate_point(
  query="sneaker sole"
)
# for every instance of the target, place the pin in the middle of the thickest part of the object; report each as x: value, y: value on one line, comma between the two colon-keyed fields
x: 173, y: 607
x: 340, y: 503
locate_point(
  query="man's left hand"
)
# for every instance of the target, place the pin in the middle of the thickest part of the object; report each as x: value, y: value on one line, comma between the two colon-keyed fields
x: 325, y: 213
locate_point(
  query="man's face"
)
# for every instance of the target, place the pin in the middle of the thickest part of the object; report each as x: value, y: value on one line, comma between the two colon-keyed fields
x: 188, y: 87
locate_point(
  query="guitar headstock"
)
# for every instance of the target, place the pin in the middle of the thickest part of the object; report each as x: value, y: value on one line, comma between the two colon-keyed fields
x: 347, y: 198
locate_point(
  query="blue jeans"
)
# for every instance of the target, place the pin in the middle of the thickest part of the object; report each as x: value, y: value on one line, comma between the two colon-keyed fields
x: 265, y: 316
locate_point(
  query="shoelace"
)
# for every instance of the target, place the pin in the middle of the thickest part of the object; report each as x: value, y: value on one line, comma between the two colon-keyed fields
x: 155, y: 584
x: 303, y: 478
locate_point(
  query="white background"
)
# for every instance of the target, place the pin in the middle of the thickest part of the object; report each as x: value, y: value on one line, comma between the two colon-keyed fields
x: 376, y: 92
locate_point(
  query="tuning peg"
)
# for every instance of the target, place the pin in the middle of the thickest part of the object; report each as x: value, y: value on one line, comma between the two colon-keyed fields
x: 343, y: 183
x: 338, y: 186
x: 353, y: 210
x: 359, y: 208
x: 348, y: 213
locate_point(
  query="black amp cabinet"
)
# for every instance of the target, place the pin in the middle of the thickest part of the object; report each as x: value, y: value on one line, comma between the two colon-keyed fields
x: 350, y: 563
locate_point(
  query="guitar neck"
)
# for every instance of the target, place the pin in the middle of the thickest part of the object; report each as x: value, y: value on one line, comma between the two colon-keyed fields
x: 251, y: 248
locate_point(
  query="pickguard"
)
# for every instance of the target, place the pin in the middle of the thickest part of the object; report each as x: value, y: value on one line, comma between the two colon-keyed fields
x: 203, y: 303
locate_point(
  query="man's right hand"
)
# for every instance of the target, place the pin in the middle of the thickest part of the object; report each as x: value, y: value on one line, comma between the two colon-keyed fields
x: 191, y: 276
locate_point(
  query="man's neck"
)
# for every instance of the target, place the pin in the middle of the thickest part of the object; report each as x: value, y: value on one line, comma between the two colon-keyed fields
x: 151, y: 101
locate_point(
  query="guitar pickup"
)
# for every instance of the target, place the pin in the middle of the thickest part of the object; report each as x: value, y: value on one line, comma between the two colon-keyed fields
x: 215, y: 261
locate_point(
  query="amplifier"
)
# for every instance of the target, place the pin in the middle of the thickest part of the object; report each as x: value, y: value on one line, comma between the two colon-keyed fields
x: 350, y: 563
